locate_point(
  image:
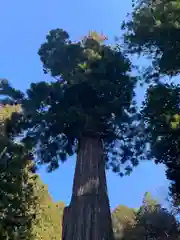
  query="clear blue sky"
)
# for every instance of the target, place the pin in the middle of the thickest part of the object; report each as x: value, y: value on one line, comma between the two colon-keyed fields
x: 23, y: 26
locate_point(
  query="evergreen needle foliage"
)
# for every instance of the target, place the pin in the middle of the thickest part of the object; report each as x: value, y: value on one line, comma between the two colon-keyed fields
x: 153, y: 30
x: 17, y: 202
x: 93, y: 94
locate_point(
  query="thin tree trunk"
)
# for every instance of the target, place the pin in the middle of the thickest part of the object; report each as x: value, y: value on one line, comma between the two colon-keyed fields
x: 88, y: 216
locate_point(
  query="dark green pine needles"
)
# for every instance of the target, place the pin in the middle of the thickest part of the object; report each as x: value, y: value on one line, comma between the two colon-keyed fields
x: 153, y: 30
x: 93, y: 94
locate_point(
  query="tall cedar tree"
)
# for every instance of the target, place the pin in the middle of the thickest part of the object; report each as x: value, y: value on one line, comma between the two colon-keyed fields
x: 89, y: 110
x: 17, y: 203
x: 154, y: 31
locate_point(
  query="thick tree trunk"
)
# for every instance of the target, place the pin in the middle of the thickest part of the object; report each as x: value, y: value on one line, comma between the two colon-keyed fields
x: 88, y: 216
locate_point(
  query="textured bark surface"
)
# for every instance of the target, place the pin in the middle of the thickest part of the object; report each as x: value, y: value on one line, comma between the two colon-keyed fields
x: 88, y: 216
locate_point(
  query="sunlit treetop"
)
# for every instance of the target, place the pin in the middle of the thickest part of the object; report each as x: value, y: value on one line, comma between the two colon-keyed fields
x: 95, y: 36
x: 92, y: 95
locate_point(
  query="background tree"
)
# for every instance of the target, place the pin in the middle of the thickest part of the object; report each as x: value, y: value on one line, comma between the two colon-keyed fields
x: 123, y: 218
x: 17, y: 204
x: 26, y: 208
x: 163, y: 124
x: 150, y: 221
x: 88, y: 110
x: 154, y: 31
x: 48, y: 222
x: 154, y: 221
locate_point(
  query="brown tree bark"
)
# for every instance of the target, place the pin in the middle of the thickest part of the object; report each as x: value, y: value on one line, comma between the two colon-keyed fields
x: 88, y: 216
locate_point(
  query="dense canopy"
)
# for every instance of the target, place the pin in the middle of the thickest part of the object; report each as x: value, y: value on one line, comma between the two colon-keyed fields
x: 17, y: 202
x: 93, y: 94
x: 153, y: 30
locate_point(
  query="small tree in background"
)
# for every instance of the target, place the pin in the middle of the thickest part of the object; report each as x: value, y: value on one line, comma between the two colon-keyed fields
x: 123, y: 219
x: 154, y: 221
x: 48, y: 216
x: 150, y: 221
x: 89, y: 110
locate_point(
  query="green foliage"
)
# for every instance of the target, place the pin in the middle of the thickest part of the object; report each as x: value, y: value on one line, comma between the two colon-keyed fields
x: 161, y: 116
x: 48, y: 223
x: 93, y: 95
x: 155, y: 222
x: 17, y: 204
x: 151, y: 221
x: 6, y: 112
x: 123, y: 219
x: 154, y: 30
x: 26, y: 209
x: 14, y: 96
